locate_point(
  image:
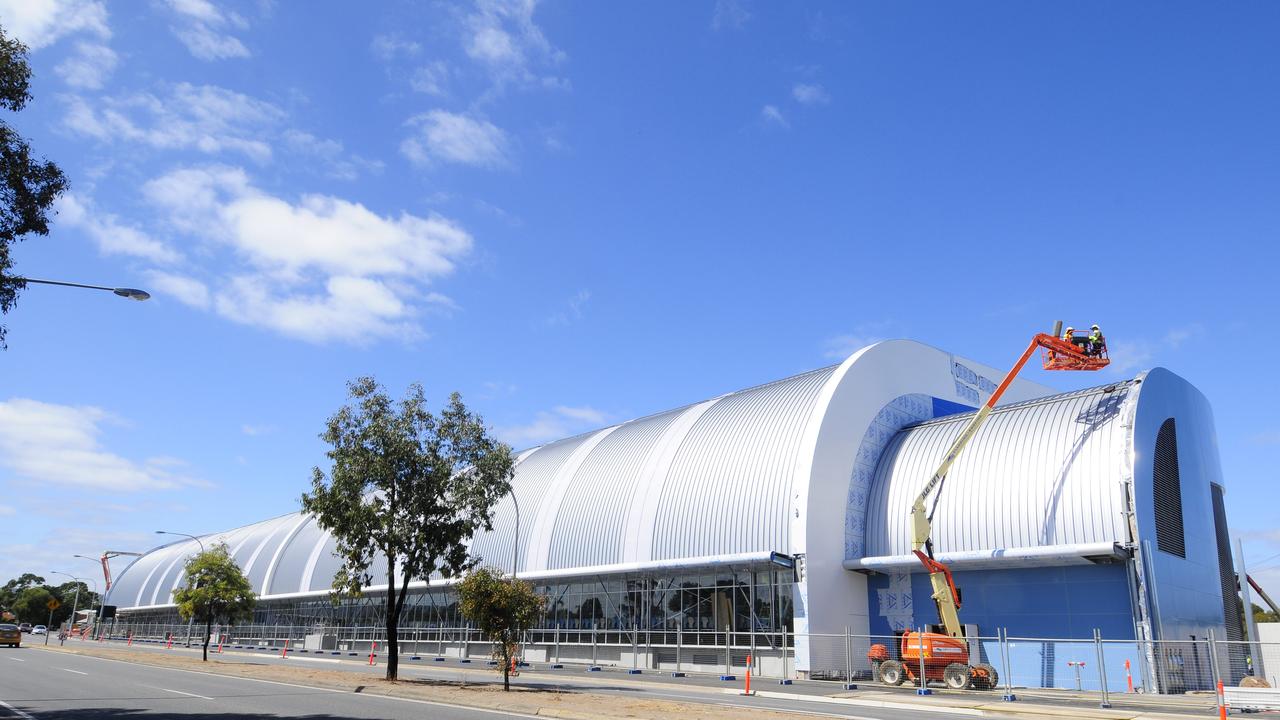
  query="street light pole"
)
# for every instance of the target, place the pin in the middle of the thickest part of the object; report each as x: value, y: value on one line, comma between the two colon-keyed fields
x: 97, y: 621
x: 131, y: 293
x: 191, y: 619
x: 75, y: 603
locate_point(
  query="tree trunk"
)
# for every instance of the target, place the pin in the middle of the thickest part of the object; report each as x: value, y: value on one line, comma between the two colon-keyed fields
x: 393, y: 622
x: 506, y: 669
x: 208, y: 630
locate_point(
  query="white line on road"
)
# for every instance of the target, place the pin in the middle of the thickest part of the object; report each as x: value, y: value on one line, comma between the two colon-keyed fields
x: 202, y: 697
x: 15, y: 659
x: 15, y: 711
x: 75, y: 671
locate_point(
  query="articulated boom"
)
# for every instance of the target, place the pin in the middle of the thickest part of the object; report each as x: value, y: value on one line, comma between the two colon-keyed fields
x: 1058, y: 355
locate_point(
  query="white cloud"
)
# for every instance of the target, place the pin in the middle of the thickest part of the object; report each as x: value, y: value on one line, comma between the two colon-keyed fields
x: 8, y: 510
x: 330, y: 154
x: 40, y: 23
x: 256, y: 430
x: 729, y: 15
x: 205, y: 118
x: 187, y: 290
x: 442, y: 136
x: 90, y: 67
x: 201, y: 28
x: 320, y: 268
x: 503, y: 38
x: 840, y: 347
x: 572, y: 311
x: 112, y: 236
x: 561, y: 421
x: 389, y: 47
x: 430, y: 78
x: 46, y: 443
x: 773, y: 116
x: 807, y: 94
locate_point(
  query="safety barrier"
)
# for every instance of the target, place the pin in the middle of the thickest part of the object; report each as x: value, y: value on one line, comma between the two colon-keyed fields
x: 1107, y: 668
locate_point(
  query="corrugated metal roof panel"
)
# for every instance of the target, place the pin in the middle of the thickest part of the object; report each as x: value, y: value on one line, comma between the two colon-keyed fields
x: 727, y: 491
x: 1039, y: 473
x: 591, y: 519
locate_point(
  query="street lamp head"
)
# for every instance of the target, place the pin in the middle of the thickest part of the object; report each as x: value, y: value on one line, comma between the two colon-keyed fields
x: 132, y: 293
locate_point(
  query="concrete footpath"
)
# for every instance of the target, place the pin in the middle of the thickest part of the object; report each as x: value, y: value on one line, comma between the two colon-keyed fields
x: 591, y: 691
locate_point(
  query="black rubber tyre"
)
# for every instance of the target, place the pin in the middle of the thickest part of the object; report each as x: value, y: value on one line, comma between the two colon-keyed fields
x: 957, y: 676
x: 991, y: 681
x: 891, y: 672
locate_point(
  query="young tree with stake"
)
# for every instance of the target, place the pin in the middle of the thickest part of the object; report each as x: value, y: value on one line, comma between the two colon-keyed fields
x: 216, y: 591
x: 406, y: 485
x: 502, y: 609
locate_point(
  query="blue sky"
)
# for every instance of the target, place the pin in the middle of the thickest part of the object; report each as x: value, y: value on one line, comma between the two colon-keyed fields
x: 576, y: 213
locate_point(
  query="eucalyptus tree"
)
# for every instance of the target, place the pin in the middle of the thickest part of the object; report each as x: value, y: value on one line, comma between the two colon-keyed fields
x: 407, y: 486
x: 216, y: 591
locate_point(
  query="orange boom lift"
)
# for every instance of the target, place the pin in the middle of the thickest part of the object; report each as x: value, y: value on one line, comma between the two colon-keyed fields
x: 946, y: 654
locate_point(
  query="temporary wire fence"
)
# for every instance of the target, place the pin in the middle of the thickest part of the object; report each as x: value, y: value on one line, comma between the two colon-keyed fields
x: 1107, y: 668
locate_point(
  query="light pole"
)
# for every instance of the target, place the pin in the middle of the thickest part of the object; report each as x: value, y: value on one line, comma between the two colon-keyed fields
x: 131, y: 293
x: 191, y: 619
x: 97, y: 621
x: 75, y: 603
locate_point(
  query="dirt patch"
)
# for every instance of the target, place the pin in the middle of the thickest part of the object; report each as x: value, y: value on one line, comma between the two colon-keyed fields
x: 545, y: 699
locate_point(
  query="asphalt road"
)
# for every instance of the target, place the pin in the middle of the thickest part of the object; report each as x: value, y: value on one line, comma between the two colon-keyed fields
x: 43, y: 685
x: 59, y: 686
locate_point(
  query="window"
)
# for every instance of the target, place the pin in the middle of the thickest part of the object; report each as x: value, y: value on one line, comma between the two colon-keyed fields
x: 1167, y: 492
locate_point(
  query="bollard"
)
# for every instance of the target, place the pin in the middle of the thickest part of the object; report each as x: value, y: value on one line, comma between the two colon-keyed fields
x: 219, y: 644
x: 284, y: 653
x: 130, y: 639
x: 1128, y: 676
x: 1077, y: 666
x: 1222, y: 703
x: 1102, y: 669
x: 924, y: 679
x: 748, y: 690
x: 373, y: 652
x: 169, y: 645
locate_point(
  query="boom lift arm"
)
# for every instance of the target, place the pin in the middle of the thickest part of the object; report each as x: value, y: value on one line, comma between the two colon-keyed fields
x: 1058, y: 355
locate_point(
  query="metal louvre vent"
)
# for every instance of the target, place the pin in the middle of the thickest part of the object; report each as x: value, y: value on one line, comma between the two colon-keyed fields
x: 1167, y: 492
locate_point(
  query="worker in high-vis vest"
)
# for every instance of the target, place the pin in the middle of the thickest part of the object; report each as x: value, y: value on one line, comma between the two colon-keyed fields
x: 1096, y: 341
x: 1069, y: 335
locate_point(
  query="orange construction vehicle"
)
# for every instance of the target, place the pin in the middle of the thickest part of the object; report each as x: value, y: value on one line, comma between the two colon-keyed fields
x: 946, y: 653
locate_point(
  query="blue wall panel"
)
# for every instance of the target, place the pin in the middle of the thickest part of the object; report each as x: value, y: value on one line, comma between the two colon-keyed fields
x: 1057, y: 602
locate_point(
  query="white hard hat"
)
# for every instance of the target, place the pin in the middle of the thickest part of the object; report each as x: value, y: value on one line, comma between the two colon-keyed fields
x: 1095, y: 327
x: 1070, y: 329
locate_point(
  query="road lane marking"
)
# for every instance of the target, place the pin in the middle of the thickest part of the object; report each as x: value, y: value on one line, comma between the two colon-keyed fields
x: 75, y: 671
x: 15, y: 659
x: 202, y: 697
x: 15, y: 711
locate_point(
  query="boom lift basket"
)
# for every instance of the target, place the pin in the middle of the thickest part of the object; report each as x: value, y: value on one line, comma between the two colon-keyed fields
x: 1058, y: 354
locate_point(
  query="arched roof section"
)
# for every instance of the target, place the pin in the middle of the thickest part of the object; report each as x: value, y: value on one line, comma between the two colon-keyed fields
x: 1039, y: 474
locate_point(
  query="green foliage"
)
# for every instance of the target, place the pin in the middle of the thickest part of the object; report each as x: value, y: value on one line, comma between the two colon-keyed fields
x: 26, y: 597
x: 12, y: 589
x: 502, y: 609
x: 28, y: 186
x: 1261, y: 615
x: 31, y: 606
x: 405, y: 484
x: 216, y: 591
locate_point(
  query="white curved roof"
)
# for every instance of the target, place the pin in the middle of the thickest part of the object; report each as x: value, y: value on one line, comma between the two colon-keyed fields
x: 727, y: 480
x: 1043, y: 473
x: 710, y: 480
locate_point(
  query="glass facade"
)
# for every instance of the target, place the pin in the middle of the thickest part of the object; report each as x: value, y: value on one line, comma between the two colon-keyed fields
x: 755, y: 599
